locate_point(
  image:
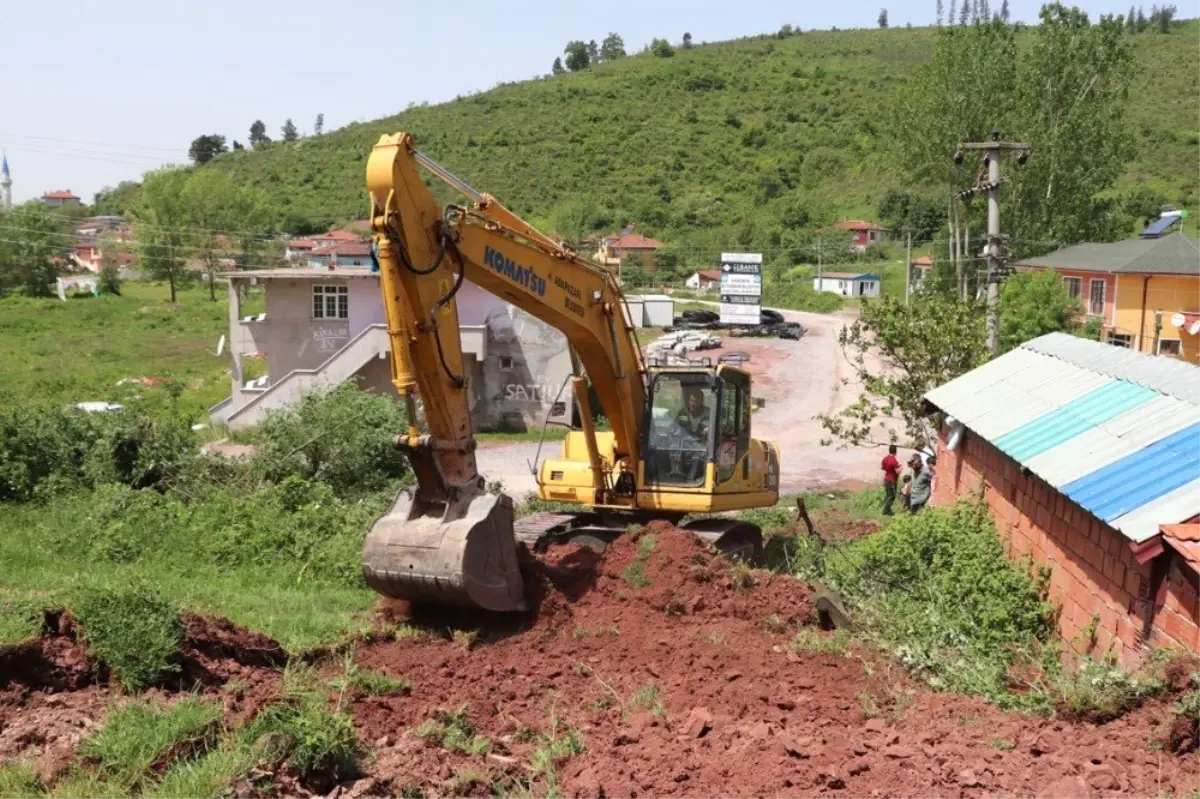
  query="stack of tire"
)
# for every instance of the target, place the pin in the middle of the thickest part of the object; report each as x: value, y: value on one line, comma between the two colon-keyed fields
x: 773, y: 325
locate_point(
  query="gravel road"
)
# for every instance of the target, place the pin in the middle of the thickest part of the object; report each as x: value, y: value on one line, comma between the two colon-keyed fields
x: 798, y: 379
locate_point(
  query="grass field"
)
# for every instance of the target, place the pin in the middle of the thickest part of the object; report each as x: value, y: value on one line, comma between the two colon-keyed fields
x: 79, y: 350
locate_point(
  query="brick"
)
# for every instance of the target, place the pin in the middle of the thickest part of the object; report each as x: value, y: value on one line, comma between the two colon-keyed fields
x: 1178, y: 628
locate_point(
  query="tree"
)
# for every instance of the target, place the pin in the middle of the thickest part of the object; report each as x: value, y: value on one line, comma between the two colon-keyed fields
x: 687, y: 39
x: 110, y: 265
x: 216, y: 205
x: 964, y: 14
x: 612, y: 48
x: 1033, y: 304
x: 557, y: 68
x: 1131, y: 22
x: 1064, y: 94
x: 205, y: 147
x: 319, y: 125
x: 951, y: 17
x: 288, y: 131
x: 1141, y: 20
x: 237, y: 145
x: 258, y: 134
x: 35, y: 238
x: 158, y: 222
x: 918, y: 347
x: 1165, y: 15
x: 593, y: 51
x: 883, y: 23
x: 940, y: 12
x: 577, y: 56
x: 985, y: 10
x: 1004, y: 11
x: 661, y: 48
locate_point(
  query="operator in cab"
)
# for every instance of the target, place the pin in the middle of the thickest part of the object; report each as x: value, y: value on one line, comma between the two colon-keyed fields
x: 693, y: 416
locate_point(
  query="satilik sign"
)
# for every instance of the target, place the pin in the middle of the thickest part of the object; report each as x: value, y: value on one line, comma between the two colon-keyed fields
x: 741, y: 288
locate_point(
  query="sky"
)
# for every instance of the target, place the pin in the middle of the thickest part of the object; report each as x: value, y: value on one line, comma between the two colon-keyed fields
x: 93, y: 93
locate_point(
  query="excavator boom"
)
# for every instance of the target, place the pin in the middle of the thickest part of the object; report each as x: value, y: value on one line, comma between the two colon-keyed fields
x: 448, y: 540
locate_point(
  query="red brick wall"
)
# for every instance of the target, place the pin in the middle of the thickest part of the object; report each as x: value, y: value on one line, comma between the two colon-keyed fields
x: 1093, y: 568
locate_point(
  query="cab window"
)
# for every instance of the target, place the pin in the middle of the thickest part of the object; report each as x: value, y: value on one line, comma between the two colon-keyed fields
x: 733, y: 438
x: 682, y: 415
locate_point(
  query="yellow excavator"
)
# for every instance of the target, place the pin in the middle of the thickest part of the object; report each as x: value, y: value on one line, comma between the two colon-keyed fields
x: 680, y: 443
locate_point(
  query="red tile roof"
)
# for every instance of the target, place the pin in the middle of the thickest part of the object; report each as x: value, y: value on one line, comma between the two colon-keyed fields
x: 858, y: 224
x: 924, y: 260
x: 59, y: 194
x: 1184, y: 539
x: 632, y: 241
x: 351, y: 248
x: 301, y: 244
x: 337, y: 235
x: 709, y: 274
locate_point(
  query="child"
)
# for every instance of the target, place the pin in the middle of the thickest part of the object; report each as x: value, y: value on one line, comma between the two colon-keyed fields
x: 905, y: 487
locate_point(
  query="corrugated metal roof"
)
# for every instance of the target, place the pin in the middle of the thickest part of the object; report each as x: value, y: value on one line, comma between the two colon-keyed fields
x: 1117, y: 431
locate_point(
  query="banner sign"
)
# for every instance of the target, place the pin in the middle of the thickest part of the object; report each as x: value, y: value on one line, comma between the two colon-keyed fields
x: 741, y: 288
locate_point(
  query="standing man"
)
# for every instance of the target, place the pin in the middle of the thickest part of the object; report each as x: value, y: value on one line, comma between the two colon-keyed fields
x: 922, y: 482
x: 891, y: 473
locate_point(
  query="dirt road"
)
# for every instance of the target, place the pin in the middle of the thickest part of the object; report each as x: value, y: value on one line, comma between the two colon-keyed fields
x: 798, y: 379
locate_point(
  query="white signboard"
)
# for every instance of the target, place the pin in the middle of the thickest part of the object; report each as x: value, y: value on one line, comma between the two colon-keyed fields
x: 741, y: 288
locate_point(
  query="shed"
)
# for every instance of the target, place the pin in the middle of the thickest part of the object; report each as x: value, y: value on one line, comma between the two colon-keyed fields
x: 849, y: 284
x: 634, y: 311
x: 1084, y: 452
x: 658, y: 310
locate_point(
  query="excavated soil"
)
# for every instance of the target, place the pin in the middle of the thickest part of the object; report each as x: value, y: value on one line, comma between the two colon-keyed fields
x: 673, y: 669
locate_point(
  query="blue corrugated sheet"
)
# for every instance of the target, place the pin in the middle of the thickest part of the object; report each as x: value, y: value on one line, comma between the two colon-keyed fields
x: 1118, y: 432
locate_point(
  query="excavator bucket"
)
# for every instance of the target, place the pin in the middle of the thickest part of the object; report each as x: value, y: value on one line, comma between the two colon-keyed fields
x: 456, y: 553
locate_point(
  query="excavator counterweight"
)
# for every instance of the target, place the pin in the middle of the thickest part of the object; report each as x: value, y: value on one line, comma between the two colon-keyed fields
x: 679, y: 442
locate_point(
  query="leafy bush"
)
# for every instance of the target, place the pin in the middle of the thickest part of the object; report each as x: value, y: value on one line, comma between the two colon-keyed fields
x: 132, y: 631
x: 44, y: 449
x: 343, y: 438
x: 939, y: 590
x: 452, y: 730
x: 1100, y: 691
x: 141, y: 735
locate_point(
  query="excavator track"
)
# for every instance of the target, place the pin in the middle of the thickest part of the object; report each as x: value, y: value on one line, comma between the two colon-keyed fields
x: 532, y: 530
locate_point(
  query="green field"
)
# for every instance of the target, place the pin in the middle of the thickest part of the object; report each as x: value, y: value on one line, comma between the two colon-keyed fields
x: 733, y: 141
x: 79, y: 350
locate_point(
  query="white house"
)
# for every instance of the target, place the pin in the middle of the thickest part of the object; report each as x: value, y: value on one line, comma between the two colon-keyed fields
x: 848, y: 284
x: 704, y: 280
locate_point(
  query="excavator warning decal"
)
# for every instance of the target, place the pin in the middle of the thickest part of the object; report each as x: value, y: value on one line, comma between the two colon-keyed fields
x: 524, y: 275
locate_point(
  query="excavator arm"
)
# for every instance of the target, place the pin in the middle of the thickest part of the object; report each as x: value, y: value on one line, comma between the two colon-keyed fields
x: 449, y: 541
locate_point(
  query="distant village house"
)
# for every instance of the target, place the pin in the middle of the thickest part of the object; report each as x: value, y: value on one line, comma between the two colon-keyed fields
x: 704, y: 280
x: 848, y: 284
x: 864, y: 234
x: 60, y: 198
x: 627, y: 244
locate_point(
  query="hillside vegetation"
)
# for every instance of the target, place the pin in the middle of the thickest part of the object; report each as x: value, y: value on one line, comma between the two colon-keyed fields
x: 701, y: 147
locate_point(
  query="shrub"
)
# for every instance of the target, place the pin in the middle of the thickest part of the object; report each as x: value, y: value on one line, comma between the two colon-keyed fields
x: 1100, y: 691
x: 939, y: 590
x: 132, y: 631
x: 343, y: 438
x: 141, y: 735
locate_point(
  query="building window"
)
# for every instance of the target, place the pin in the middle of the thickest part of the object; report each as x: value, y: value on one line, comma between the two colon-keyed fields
x: 1169, y: 346
x: 1096, y: 298
x: 1074, y: 287
x: 1121, y: 340
x: 506, y: 363
x: 331, y: 302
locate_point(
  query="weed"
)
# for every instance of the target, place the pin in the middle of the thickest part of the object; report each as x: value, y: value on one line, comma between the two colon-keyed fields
x: 650, y: 698
x: 596, y: 705
x: 19, y: 779
x: 402, y: 632
x: 674, y: 606
x: 810, y: 639
x: 1185, y: 720
x: 369, y: 682
x: 141, y: 735
x: 554, y: 748
x: 635, y: 573
x: 1003, y: 744
x: 868, y: 705
x: 452, y: 731
x: 315, y: 737
x: 741, y: 576
x: 716, y: 638
x: 212, y: 774
x: 1100, y: 690
x: 465, y: 638
x: 773, y: 624
x: 132, y: 631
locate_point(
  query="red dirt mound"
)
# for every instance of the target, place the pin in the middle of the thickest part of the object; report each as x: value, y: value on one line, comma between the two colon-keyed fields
x: 672, y: 667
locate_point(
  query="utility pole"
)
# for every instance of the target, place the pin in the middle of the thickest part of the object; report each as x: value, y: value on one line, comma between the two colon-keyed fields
x: 820, y: 252
x: 908, y: 269
x: 996, y: 261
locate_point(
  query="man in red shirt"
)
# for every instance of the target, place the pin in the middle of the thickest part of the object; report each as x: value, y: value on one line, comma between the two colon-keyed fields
x: 891, y: 473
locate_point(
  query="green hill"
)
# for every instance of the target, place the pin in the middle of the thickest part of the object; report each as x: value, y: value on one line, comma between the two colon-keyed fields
x: 704, y: 148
